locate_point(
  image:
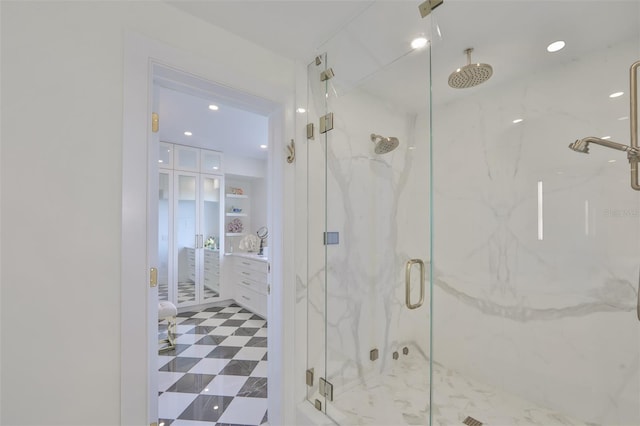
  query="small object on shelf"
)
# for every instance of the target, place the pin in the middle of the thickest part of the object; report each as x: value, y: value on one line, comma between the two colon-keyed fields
x: 235, y: 209
x: 235, y: 226
x: 211, y: 243
x: 236, y: 191
x: 249, y: 243
x: 262, y: 233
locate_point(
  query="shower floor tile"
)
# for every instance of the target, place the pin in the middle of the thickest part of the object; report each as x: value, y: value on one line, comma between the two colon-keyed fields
x: 401, y: 397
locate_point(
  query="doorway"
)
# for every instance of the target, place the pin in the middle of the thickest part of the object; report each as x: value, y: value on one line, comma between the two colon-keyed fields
x: 206, y: 247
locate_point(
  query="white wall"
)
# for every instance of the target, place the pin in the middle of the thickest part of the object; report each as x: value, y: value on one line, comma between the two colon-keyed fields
x: 62, y: 118
x: 244, y: 166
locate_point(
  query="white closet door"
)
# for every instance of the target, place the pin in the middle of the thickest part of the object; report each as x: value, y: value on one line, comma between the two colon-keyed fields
x: 187, y: 238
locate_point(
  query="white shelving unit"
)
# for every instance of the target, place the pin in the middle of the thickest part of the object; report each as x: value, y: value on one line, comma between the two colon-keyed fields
x: 239, y: 201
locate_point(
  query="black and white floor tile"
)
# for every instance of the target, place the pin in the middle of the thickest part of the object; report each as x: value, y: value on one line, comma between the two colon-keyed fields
x: 217, y: 374
x: 186, y: 292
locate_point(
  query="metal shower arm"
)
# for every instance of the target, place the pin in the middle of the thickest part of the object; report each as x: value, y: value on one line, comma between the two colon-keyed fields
x: 633, y: 152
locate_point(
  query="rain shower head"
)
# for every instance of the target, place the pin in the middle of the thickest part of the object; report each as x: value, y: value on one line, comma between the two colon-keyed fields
x: 471, y: 74
x: 384, y: 145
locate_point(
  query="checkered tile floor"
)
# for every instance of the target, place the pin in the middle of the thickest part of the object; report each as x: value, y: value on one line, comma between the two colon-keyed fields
x: 217, y: 374
x: 186, y: 292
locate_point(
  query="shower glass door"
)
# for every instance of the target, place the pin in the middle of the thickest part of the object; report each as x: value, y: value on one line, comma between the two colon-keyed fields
x: 537, y: 246
x: 369, y: 216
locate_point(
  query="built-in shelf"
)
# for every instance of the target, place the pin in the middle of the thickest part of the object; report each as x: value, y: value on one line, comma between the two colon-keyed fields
x: 235, y: 234
x: 237, y: 196
x: 237, y: 214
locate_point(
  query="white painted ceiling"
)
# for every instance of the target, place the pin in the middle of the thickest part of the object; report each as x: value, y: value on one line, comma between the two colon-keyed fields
x: 368, y: 42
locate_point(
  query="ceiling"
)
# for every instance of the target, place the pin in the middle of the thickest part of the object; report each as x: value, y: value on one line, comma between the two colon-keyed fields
x: 368, y: 42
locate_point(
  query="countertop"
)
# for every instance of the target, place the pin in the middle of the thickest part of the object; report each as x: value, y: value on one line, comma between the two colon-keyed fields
x: 247, y: 255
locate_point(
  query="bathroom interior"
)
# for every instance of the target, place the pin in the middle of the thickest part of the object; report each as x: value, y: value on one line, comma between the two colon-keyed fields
x: 457, y: 262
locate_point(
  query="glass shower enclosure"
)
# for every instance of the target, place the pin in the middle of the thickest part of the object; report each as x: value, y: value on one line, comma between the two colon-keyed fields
x: 463, y: 265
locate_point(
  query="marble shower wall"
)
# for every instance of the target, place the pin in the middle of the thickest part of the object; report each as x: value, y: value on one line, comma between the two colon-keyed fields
x: 551, y: 320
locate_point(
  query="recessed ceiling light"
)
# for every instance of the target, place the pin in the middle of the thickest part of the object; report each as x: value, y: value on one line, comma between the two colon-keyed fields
x: 517, y: 120
x: 623, y: 118
x: 215, y: 167
x: 418, y: 43
x: 606, y: 137
x: 555, y: 46
x: 160, y: 161
x: 188, y: 133
x: 263, y: 146
x: 412, y: 147
x: 301, y: 110
x: 616, y: 94
x: 213, y: 107
x: 611, y: 161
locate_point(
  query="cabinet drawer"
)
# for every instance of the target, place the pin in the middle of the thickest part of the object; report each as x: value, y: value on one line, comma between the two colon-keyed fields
x: 244, y: 273
x: 255, y: 302
x: 191, y: 254
x: 257, y: 286
x: 211, y: 272
x: 211, y: 257
x: 254, y: 265
x: 212, y: 268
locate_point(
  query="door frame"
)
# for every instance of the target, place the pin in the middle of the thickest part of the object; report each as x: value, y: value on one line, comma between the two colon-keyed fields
x: 138, y: 313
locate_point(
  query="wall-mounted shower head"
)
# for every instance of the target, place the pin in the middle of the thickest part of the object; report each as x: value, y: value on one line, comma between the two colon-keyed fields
x: 582, y: 145
x: 471, y: 74
x: 384, y: 145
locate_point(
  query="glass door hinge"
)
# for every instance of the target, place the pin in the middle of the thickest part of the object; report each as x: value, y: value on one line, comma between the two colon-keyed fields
x: 153, y: 277
x: 155, y: 122
x: 327, y: 74
x: 326, y: 389
x: 326, y: 123
x: 427, y: 6
x: 310, y: 134
x: 310, y: 377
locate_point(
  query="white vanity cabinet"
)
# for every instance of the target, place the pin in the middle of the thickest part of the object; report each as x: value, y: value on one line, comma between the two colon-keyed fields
x: 251, y: 281
x: 211, y: 270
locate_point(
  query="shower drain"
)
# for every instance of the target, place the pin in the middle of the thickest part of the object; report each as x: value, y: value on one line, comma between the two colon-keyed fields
x: 470, y: 421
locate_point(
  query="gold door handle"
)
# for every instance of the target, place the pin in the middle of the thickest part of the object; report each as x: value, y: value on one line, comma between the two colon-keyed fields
x: 410, y: 263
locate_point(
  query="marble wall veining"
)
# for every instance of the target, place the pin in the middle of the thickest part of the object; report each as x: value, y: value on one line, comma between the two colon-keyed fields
x: 548, y: 315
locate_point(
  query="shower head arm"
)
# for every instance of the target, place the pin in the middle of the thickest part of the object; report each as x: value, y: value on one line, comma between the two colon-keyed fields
x: 582, y: 145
